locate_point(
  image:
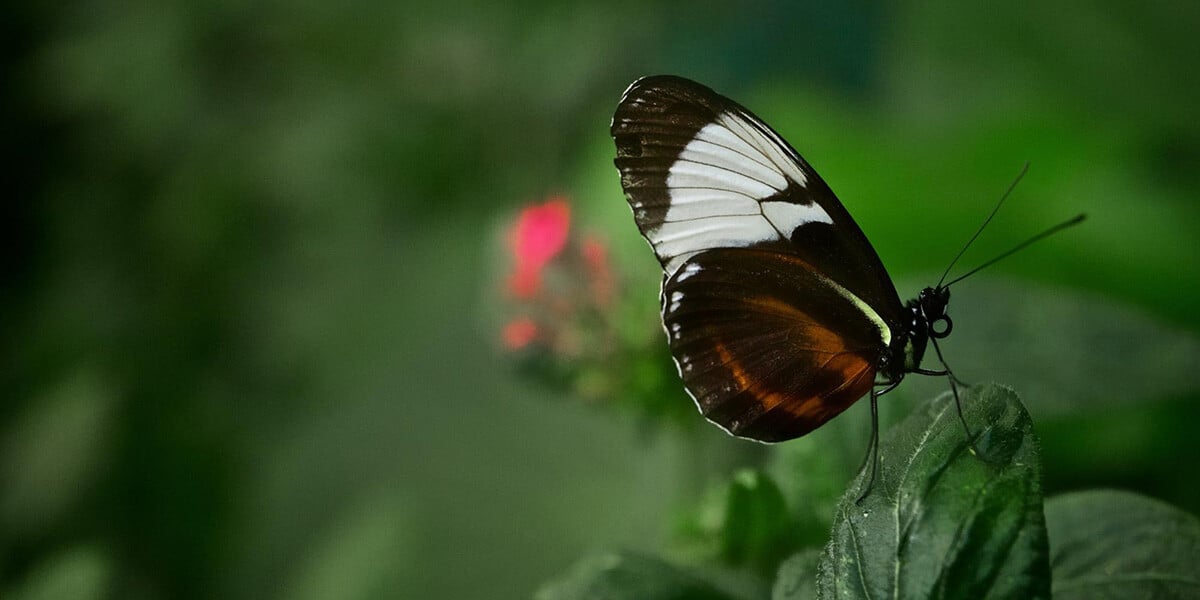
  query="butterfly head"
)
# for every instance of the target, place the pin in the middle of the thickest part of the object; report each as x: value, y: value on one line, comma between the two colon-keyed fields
x: 932, y: 302
x: 929, y: 320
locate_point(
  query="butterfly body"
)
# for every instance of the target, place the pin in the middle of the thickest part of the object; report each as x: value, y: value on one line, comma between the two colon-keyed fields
x: 778, y: 311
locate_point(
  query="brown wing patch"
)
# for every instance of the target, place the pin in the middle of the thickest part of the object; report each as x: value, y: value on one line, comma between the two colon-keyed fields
x: 766, y: 347
x: 766, y: 413
x: 799, y: 416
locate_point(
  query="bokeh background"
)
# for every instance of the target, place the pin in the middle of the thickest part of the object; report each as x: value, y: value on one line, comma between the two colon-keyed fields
x: 253, y: 295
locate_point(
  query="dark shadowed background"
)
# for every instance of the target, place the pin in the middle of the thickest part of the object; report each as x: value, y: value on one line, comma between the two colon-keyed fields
x: 251, y: 346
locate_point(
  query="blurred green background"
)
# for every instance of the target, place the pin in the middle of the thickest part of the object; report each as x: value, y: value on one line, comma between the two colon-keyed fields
x: 250, y: 341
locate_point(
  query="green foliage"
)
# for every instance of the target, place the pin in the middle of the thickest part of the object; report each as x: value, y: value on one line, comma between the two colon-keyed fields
x: 797, y: 576
x: 1110, y: 545
x: 747, y: 523
x: 627, y: 576
x: 947, y: 517
x: 757, y: 523
x: 943, y: 520
x: 79, y: 573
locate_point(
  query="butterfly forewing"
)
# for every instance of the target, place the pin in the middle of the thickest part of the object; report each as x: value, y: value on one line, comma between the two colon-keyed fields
x: 703, y: 172
x: 777, y: 307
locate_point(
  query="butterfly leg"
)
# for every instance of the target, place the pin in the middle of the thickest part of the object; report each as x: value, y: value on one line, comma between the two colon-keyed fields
x: 873, y: 446
x: 943, y: 373
x: 954, y: 383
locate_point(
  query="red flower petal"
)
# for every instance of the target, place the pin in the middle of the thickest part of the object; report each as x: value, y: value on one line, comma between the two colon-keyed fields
x: 525, y: 282
x: 518, y: 333
x: 540, y: 233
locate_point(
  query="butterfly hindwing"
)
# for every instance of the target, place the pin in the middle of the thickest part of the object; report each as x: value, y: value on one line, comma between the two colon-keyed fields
x: 774, y: 360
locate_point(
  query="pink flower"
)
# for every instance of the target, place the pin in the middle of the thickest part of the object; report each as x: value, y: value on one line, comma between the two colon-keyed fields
x: 539, y: 234
x: 560, y: 287
x: 518, y: 333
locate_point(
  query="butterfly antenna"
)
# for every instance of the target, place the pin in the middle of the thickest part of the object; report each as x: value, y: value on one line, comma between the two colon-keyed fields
x: 1077, y: 219
x: 1011, y: 186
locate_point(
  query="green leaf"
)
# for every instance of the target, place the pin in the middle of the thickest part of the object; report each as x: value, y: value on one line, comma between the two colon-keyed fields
x: 942, y: 521
x: 79, y: 573
x: 797, y: 578
x: 757, y: 525
x: 812, y: 471
x: 624, y: 576
x: 1110, y: 544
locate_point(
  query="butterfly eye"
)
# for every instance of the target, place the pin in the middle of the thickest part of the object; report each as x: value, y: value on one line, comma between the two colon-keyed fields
x: 941, y: 327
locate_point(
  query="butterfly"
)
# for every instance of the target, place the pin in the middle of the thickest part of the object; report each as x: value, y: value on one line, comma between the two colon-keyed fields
x: 778, y: 311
